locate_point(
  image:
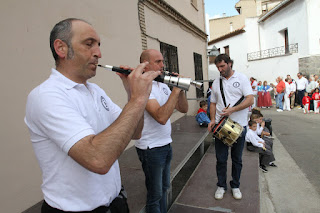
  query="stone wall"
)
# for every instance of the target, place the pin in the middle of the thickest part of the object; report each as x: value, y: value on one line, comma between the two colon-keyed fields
x: 309, y: 65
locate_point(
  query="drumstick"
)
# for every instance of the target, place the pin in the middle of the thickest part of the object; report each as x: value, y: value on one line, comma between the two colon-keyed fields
x: 228, y: 106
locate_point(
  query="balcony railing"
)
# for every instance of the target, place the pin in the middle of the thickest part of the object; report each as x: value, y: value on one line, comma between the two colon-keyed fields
x: 274, y: 52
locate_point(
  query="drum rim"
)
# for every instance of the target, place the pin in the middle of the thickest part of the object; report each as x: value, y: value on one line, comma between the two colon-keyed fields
x: 219, y: 125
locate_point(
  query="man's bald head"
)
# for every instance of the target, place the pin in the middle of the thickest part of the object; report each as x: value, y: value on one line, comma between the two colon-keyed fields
x: 155, y: 59
x: 145, y: 55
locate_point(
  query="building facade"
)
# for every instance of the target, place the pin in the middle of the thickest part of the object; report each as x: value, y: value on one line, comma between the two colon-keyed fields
x: 246, y: 9
x: 126, y: 27
x: 285, y: 40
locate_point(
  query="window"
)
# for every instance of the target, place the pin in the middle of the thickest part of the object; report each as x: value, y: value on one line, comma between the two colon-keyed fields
x: 198, y: 72
x: 285, y: 48
x: 286, y: 41
x: 226, y: 50
x: 170, y: 57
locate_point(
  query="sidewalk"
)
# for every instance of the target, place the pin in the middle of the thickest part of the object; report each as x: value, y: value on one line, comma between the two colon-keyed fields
x: 198, y: 194
x: 286, y: 189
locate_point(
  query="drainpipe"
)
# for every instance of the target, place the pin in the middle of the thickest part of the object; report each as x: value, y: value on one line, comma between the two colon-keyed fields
x: 259, y: 38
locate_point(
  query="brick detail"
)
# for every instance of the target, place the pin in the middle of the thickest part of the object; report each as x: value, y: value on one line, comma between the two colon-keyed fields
x: 142, y: 23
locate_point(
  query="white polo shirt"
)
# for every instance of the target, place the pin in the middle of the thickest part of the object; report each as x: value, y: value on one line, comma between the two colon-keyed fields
x: 155, y: 134
x: 234, y: 88
x: 302, y: 83
x: 59, y: 113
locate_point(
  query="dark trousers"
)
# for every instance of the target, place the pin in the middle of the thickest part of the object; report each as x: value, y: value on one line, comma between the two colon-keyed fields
x: 265, y: 156
x: 222, y: 152
x: 300, y: 96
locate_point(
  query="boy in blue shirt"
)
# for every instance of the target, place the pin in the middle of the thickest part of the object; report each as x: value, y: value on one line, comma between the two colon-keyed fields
x: 202, y: 117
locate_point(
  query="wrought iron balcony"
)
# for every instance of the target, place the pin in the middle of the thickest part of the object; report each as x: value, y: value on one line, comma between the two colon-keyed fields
x: 274, y: 52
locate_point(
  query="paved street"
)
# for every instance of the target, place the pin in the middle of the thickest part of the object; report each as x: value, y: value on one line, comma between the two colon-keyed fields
x: 295, y: 185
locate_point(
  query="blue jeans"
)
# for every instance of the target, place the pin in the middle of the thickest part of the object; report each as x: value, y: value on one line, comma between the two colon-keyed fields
x: 156, y: 167
x: 280, y: 102
x: 222, y: 152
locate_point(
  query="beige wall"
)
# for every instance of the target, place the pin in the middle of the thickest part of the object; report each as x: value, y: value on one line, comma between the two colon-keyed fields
x: 186, y: 43
x: 27, y: 60
x: 194, y: 14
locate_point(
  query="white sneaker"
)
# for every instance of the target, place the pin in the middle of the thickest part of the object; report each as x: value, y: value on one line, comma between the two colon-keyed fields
x: 219, y: 193
x: 279, y: 110
x: 236, y: 193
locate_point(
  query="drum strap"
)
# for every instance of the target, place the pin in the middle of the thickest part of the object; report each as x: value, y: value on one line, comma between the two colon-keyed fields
x: 223, y: 97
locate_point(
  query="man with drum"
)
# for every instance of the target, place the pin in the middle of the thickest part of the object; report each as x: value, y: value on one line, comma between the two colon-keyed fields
x: 232, y: 100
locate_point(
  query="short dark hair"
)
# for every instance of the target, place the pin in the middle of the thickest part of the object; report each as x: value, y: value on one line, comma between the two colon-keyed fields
x: 203, y: 103
x: 223, y: 57
x: 256, y: 111
x: 251, y: 122
x: 255, y: 116
x: 62, y: 31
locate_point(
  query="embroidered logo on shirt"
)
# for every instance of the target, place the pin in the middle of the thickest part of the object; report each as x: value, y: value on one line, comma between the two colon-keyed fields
x: 165, y: 91
x: 104, y: 103
x: 236, y: 84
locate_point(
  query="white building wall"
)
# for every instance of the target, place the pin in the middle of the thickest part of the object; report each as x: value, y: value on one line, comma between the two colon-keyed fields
x: 269, y: 69
x: 237, y: 49
x: 313, y: 14
x: 300, y: 18
x: 294, y: 18
x: 252, y: 34
x: 265, y: 69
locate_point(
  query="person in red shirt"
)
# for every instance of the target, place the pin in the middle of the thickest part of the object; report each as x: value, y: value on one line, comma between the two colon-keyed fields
x: 316, y: 100
x: 306, y: 103
x: 280, y: 88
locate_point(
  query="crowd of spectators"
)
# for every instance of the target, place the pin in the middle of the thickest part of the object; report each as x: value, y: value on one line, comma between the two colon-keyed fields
x: 288, y: 93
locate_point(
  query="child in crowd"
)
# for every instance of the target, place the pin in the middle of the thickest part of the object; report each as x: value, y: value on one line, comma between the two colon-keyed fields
x: 306, y: 103
x: 267, y: 121
x: 257, y: 144
x: 316, y: 100
x: 260, y: 130
x: 202, y: 117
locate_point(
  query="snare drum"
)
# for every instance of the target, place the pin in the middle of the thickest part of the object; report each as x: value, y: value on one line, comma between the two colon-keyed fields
x: 227, y: 130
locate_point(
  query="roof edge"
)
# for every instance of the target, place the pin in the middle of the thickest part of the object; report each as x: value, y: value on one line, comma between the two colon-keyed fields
x: 274, y: 10
x: 231, y: 34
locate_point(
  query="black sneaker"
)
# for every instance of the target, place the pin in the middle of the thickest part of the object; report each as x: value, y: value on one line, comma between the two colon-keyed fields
x: 273, y: 165
x: 263, y: 168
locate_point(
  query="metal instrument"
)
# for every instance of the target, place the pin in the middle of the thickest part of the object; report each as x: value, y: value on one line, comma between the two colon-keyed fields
x: 227, y: 130
x: 168, y: 78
